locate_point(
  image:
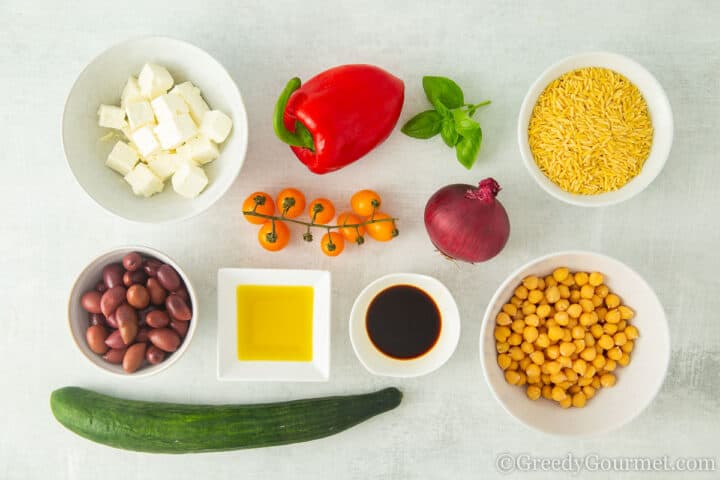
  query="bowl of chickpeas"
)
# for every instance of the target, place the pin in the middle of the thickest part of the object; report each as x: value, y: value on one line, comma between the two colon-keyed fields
x: 575, y: 343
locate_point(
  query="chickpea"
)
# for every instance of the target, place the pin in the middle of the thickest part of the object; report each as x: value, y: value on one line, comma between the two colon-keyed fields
x: 558, y: 378
x: 560, y: 274
x: 574, y: 296
x: 589, y: 391
x: 512, y: 377
x: 575, y: 389
x: 532, y: 370
x: 566, y: 402
x: 513, y: 365
x: 610, y: 365
x: 579, y: 366
x: 620, y: 339
x: 626, y: 313
x: 587, y: 292
x: 530, y: 334
x: 515, y: 301
x: 530, y: 282
x: 502, y: 347
x: 586, y: 305
x: 575, y: 310
x: 504, y: 361
x: 571, y: 375
x: 567, y: 349
x: 532, y: 320
x: 564, y: 292
x: 610, y: 328
x: 579, y: 345
x: 581, y: 278
x: 606, y: 342
x: 612, y: 300
x: 510, y: 309
x: 588, y: 354
x: 631, y: 332
x: 578, y: 400
x: 527, y: 347
x: 596, y: 330
x: 599, y: 362
x: 521, y: 292
x: 516, y: 353
x: 543, y: 311
x: 615, y: 354
x: 515, y: 339
x: 547, y: 392
x: 601, y: 313
x: 558, y: 393
x: 612, y: 316
x: 595, y: 383
x: 595, y: 279
x: 562, y: 318
x: 602, y: 290
x: 535, y: 296
x: 543, y: 341
x: 537, y: 357
x: 555, y: 333
x: 624, y: 360
x: 628, y: 346
x: 533, y: 392
x: 564, y: 362
x: 503, y: 318
x: 524, y: 363
x: 596, y: 300
x: 607, y: 380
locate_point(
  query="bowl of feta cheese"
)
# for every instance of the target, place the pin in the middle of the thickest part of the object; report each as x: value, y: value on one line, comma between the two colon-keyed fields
x: 155, y: 130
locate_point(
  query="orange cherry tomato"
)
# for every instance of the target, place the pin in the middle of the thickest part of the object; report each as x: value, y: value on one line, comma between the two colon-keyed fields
x: 276, y: 241
x: 291, y: 202
x: 321, y: 210
x: 266, y: 207
x: 365, y: 202
x: 351, y: 234
x: 332, y: 244
x: 381, y: 231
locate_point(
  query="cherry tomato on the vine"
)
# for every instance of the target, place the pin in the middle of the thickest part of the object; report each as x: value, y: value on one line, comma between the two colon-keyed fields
x: 276, y: 239
x: 351, y: 234
x: 381, y: 231
x: 332, y: 244
x: 291, y: 202
x: 365, y: 202
x: 321, y: 210
x: 265, y: 205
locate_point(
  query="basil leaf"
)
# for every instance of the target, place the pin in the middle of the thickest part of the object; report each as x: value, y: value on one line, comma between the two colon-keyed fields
x: 443, y: 92
x: 423, y: 125
x: 468, y: 148
x: 448, y: 132
x: 463, y: 123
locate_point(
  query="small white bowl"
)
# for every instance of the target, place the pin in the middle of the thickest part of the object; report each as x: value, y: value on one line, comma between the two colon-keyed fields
x: 229, y: 367
x: 102, y: 82
x: 377, y: 362
x: 78, y: 317
x: 637, y: 384
x: 660, y: 114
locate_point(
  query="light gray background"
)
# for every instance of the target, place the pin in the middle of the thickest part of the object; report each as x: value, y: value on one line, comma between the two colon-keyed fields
x: 448, y: 424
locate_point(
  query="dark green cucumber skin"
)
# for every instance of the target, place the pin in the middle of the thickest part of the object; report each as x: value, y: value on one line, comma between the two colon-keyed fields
x: 156, y: 427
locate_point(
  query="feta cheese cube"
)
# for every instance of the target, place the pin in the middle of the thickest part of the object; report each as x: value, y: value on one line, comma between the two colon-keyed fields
x: 143, y: 181
x: 154, y: 80
x: 145, y: 140
x: 189, y: 180
x: 191, y: 94
x: 168, y: 106
x: 122, y: 158
x: 216, y: 125
x: 111, y: 116
x: 172, y: 133
x: 131, y: 93
x: 140, y: 114
x: 200, y: 150
x: 163, y: 164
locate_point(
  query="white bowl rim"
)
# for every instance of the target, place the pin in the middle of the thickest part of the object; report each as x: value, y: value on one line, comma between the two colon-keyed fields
x: 486, y: 322
x: 407, y: 279
x: 244, y: 137
x: 148, y: 370
x: 528, y: 103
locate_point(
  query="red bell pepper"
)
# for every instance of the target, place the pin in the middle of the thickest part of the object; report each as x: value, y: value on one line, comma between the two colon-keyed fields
x: 339, y: 115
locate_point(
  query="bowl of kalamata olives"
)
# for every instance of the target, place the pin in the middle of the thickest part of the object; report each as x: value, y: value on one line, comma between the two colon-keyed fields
x: 132, y: 311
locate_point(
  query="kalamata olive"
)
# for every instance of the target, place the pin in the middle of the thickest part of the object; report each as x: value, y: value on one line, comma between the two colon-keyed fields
x: 180, y: 327
x: 142, y: 335
x: 165, y: 339
x: 151, y: 266
x: 90, y: 301
x: 154, y: 355
x: 111, y: 321
x: 100, y: 287
x: 157, y: 319
x: 183, y: 293
x: 138, y: 296
x: 95, y: 336
x: 112, y: 274
x: 168, y: 278
x: 127, y: 320
x: 132, y: 261
x: 112, y: 299
x: 177, y: 308
x: 142, y: 314
x: 115, y: 355
x: 157, y: 292
x: 134, y: 357
x: 97, y: 319
x: 114, y: 340
x: 132, y: 278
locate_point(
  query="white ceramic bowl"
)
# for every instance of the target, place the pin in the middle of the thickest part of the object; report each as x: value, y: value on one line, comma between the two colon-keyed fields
x: 229, y: 367
x: 78, y: 318
x: 660, y: 113
x: 637, y: 384
x: 102, y: 81
x: 380, y: 364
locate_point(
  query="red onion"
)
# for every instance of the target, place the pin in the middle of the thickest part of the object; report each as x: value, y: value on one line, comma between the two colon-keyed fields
x: 467, y: 223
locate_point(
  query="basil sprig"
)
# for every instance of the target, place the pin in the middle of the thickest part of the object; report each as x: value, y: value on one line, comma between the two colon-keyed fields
x: 451, y: 118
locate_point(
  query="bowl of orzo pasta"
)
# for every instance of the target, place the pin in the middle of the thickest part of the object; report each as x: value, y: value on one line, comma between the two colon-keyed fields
x: 595, y: 129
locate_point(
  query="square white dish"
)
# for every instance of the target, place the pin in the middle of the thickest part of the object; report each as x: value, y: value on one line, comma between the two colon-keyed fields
x: 229, y: 367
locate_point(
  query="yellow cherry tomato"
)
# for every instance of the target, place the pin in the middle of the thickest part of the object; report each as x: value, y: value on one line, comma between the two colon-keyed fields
x: 276, y: 238
x: 259, y: 202
x: 291, y: 202
x: 365, y: 202
x: 321, y: 210
x: 381, y: 231
x: 332, y: 244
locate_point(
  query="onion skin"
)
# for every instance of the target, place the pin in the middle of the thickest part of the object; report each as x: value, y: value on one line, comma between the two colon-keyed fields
x: 467, y: 223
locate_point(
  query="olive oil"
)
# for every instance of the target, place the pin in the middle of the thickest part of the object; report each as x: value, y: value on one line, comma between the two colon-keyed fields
x: 274, y: 323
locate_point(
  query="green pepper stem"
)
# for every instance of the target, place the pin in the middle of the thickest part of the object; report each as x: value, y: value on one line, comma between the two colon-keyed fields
x: 291, y: 138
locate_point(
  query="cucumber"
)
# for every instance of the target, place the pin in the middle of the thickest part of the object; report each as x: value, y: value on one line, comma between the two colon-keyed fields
x: 179, y: 428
